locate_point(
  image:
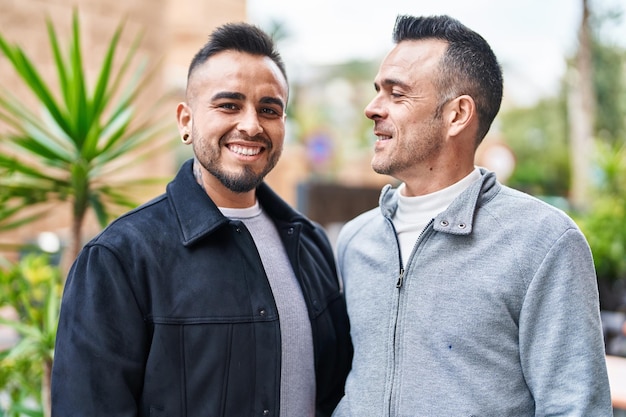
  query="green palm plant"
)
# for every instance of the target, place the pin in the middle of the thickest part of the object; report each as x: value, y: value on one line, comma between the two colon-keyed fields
x: 74, y: 146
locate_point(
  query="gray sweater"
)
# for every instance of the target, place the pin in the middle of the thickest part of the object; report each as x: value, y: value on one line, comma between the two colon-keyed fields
x: 495, y: 313
x: 297, y: 370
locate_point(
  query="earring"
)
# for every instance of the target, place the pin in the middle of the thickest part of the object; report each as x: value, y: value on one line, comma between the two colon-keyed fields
x: 186, y: 139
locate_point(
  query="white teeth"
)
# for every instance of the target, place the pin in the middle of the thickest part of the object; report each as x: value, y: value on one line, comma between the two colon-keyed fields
x: 245, y: 150
x: 380, y: 137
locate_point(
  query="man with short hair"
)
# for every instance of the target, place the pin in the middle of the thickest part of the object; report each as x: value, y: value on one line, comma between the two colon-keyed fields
x: 216, y: 298
x: 466, y: 297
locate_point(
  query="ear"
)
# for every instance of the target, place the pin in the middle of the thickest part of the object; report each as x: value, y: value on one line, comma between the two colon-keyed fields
x: 184, y: 118
x: 460, y: 114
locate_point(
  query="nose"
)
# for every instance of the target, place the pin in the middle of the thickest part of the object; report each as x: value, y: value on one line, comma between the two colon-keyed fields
x: 375, y: 109
x: 249, y: 123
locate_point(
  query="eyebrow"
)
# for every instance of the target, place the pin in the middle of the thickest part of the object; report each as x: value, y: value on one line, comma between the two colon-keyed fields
x: 390, y: 82
x: 273, y: 100
x: 238, y: 96
x: 229, y: 95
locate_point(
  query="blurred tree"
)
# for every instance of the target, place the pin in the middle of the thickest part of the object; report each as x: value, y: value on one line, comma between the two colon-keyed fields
x: 609, y: 62
x: 540, y: 135
x: 581, y: 101
x: 605, y: 224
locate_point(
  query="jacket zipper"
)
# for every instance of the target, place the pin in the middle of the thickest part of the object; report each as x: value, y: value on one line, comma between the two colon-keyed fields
x: 399, y: 284
x: 401, y: 276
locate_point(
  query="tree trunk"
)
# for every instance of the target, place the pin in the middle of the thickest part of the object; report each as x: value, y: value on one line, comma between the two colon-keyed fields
x: 581, y: 111
x: 45, y: 388
x: 75, y: 243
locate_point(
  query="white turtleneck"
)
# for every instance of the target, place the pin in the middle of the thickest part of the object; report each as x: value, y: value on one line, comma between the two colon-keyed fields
x: 414, y: 213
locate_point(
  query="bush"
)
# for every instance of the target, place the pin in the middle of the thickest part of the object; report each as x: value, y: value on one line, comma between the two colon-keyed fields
x: 32, y: 289
x: 604, y: 224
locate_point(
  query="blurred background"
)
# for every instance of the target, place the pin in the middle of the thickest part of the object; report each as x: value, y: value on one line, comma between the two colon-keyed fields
x: 88, y: 90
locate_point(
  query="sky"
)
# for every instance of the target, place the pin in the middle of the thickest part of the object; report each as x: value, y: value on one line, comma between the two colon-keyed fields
x: 531, y: 38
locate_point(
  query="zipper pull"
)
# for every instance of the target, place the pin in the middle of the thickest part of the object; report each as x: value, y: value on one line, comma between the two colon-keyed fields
x: 400, y: 278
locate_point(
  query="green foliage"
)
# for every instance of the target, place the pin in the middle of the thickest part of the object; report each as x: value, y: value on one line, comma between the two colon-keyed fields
x: 539, y: 135
x: 74, y: 146
x: 32, y: 289
x: 538, y: 138
x: 610, y: 87
x: 76, y: 140
x: 604, y: 224
x: 605, y: 228
x: 609, y: 81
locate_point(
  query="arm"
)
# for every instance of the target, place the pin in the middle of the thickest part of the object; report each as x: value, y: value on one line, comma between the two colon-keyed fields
x: 101, y: 341
x: 561, y: 343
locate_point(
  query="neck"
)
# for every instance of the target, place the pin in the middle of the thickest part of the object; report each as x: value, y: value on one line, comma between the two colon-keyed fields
x: 222, y: 196
x: 229, y: 199
x: 434, y: 179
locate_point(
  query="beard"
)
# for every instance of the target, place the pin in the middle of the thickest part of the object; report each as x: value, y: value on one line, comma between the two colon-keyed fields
x: 418, y: 148
x: 242, y: 182
x: 246, y: 179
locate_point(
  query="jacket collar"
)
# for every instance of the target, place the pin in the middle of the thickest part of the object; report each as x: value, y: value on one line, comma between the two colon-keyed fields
x: 198, y: 216
x: 458, y: 218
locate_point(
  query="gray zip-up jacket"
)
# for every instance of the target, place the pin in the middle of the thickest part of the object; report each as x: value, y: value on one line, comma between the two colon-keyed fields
x: 495, y: 314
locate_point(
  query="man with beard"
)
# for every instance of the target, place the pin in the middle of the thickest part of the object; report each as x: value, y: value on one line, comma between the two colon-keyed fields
x: 216, y: 298
x: 465, y: 297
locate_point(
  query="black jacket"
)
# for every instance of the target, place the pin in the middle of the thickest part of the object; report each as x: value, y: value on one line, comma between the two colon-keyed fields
x: 168, y: 312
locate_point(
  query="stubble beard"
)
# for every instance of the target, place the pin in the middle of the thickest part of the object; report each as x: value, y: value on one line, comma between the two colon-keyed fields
x: 238, y: 182
x: 406, y: 155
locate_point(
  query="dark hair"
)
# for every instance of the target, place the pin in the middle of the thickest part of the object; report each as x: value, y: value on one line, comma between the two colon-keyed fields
x: 241, y: 37
x: 468, y: 66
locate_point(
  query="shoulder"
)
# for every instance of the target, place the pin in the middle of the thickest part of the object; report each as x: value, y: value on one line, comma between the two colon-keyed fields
x: 139, y: 223
x: 510, y: 204
x: 530, y: 225
x: 360, y: 228
x: 370, y: 222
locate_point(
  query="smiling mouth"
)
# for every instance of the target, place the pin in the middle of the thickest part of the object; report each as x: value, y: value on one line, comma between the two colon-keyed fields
x: 382, y: 137
x: 245, y: 150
